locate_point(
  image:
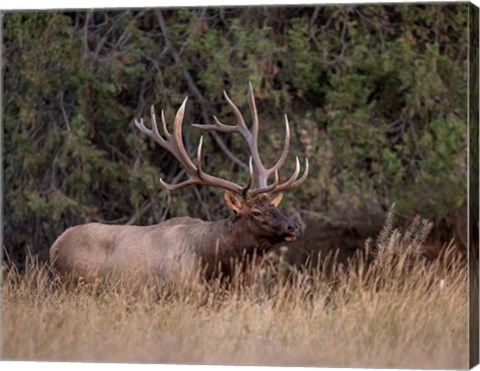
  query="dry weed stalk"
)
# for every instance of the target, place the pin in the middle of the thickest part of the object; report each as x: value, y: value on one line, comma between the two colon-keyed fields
x: 396, y: 247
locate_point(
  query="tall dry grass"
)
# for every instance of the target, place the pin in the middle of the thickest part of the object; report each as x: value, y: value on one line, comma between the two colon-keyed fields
x: 397, y: 311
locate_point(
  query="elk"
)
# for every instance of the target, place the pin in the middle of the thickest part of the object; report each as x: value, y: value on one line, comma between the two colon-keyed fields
x: 183, y: 245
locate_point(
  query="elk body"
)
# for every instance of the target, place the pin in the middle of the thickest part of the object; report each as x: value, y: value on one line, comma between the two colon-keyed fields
x: 181, y: 247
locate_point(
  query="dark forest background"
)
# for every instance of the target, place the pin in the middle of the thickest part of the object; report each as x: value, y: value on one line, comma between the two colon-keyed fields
x: 376, y: 96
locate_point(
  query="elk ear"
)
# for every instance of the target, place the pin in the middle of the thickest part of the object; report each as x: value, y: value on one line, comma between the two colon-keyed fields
x: 233, y: 202
x: 276, y: 200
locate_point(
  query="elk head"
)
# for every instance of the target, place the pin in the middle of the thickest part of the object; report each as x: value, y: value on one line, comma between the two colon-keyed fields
x: 256, y: 207
x: 263, y: 218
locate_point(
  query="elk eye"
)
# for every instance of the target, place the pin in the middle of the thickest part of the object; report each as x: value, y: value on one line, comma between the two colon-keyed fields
x: 256, y: 213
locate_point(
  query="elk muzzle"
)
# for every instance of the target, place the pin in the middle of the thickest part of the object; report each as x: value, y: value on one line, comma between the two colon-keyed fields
x: 292, y: 231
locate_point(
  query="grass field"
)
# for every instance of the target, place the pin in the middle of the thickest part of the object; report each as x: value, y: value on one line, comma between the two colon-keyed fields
x: 401, y: 312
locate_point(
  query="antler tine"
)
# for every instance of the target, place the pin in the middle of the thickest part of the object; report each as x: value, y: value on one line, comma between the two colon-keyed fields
x: 199, y: 158
x: 154, y: 134
x: 262, y: 172
x: 164, y: 124
x: 288, y: 184
x: 253, y: 108
x: 293, y: 182
x: 238, y: 115
x: 174, y: 187
x: 240, y: 127
x: 300, y: 181
x: 266, y: 189
x: 250, y: 177
x: 206, y: 179
x: 218, y: 126
x: 181, y: 153
x: 140, y: 125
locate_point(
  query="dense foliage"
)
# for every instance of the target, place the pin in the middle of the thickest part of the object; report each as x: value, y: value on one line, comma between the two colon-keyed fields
x: 376, y: 95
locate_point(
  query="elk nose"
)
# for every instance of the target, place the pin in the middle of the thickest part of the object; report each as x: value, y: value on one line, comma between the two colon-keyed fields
x: 293, y: 227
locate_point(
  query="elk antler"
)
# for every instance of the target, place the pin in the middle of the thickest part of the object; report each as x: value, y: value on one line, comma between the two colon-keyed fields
x: 251, y: 138
x: 174, y: 144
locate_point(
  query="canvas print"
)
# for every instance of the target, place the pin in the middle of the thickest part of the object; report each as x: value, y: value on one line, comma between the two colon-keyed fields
x: 250, y: 185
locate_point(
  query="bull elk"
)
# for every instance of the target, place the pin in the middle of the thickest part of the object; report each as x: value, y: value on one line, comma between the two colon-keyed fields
x: 183, y: 245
